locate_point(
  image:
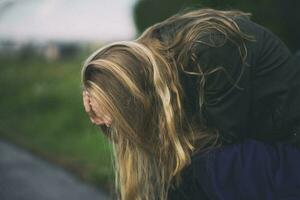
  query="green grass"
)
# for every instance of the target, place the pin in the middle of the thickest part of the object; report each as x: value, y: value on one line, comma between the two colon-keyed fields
x: 41, y: 110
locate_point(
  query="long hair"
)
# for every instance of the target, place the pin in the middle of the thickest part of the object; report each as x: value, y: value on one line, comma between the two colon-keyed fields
x: 137, y: 82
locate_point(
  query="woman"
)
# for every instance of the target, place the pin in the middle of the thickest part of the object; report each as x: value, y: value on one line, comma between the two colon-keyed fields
x: 189, y: 85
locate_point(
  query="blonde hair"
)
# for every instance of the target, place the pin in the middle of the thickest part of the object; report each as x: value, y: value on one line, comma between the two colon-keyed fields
x: 137, y: 82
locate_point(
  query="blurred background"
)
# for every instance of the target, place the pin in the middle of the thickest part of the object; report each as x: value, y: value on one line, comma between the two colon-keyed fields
x: 43, y: 44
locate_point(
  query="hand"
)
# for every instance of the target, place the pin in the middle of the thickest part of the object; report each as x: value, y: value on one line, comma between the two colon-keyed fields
x: 94, y: 111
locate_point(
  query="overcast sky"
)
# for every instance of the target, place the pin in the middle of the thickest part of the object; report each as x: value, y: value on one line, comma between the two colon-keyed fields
x: 101, y: 20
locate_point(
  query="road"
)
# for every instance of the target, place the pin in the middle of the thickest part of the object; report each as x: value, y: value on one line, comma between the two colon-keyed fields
x: 27, y: 177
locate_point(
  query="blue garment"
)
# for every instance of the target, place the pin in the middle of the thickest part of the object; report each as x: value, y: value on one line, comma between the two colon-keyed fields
x: 249, y: 170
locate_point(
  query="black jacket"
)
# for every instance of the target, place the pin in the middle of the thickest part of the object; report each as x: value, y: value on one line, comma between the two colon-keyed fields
x: 266, y: 104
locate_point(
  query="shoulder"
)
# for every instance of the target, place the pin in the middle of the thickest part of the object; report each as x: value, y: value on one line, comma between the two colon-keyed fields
x: 268, y: 46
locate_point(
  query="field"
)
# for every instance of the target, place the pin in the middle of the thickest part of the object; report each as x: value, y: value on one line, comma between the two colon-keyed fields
x: 41, y: 110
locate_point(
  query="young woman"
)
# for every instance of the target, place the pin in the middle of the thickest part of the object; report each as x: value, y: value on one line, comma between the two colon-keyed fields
x: 192, y: 85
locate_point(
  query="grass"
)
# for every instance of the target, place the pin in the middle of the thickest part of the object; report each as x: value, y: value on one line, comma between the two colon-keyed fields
x: 42, y: 111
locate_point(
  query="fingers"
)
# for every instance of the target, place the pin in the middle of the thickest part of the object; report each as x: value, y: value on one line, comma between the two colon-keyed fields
x: 93, y: 110
x: 87, y: 106
x: 99, y: 111
x: 86, y: 101
x: 94, y: 104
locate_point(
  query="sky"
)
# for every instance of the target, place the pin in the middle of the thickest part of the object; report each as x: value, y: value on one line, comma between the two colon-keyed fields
x: 70, y: 20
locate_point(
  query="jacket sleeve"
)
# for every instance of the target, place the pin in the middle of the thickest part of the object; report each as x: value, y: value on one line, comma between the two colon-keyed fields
x: 249, y: 98
x: 227, y: 90
x: 275, y: 112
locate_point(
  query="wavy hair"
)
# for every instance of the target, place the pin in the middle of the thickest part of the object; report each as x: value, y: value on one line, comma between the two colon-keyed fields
x: 138, y: 83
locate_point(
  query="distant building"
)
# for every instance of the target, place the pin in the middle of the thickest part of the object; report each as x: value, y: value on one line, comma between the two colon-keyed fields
x: 51, y: 52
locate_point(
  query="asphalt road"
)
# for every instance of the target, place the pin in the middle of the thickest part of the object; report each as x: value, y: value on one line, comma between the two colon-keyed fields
x: 26, y: 177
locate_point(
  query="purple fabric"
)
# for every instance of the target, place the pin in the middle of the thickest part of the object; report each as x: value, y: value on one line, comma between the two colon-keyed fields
x: 245, y: 171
